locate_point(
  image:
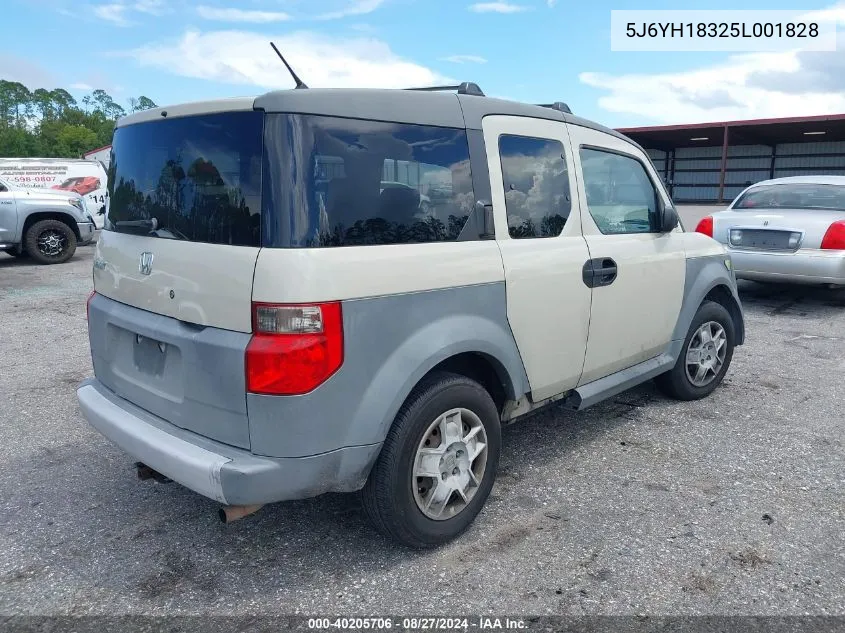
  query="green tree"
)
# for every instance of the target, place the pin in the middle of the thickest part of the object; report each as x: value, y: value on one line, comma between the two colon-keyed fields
x: 43, y: 104
x: 51, y: 123
x: 74, y: 140
x: 16, y: 141
x: 141, y: 103
x: 15, y: 103
x: 104, y: 103
x: 63, y: 101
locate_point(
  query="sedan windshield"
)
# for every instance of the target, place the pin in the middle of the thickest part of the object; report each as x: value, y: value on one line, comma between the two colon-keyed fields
x: 793, y: 196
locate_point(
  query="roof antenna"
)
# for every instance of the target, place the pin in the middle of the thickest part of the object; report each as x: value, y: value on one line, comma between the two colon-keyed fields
x: 299, y: 82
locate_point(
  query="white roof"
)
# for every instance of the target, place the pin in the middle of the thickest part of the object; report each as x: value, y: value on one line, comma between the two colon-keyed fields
x: 803, y: 180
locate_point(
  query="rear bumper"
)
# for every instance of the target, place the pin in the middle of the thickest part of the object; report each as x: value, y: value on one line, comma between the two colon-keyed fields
x: 810, y: 266
x: 218, y: 471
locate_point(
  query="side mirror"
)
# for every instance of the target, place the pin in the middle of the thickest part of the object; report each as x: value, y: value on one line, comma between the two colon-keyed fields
x: 668, y: 219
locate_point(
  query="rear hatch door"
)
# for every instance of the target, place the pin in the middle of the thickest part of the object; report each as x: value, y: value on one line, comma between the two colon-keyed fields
x: 175, y: 264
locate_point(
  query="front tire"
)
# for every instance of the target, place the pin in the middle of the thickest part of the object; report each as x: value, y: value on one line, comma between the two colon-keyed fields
x: 705, y: 356
x: 438, y: 463
x: 50, y: 242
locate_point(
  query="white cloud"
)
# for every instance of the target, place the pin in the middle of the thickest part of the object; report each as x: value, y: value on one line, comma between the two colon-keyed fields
x: 356, y: 7
x: 464, y: 59
x: 242, y: 57
x: 240, y: 15
x: 496, y: 7
x: 747, y: 86
x: 114, y: 13
x: 81, y: 86
x: 152, y: 7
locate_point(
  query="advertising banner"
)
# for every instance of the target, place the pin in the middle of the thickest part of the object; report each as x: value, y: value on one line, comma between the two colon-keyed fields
x: 87, y: 178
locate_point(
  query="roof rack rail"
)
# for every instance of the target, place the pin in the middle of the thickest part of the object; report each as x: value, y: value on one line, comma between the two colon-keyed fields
x: 560, y: 106
x: 465, y: 88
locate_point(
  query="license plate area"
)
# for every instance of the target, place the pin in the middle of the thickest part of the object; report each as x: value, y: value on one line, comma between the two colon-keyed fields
x: 764, y: 239
x: 149, y: 355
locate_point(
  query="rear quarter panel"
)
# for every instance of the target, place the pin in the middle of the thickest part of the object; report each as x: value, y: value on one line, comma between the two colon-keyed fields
x: 405, y: 309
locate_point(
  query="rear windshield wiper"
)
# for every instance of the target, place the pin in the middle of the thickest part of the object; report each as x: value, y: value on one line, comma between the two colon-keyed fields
x: 150, y: 225
x: 174, y: 233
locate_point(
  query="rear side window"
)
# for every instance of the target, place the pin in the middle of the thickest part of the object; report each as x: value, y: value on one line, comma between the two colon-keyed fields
x: 536, y: 186
x: 348, y: 182
x: 194, y: 178
x: 620, y: 195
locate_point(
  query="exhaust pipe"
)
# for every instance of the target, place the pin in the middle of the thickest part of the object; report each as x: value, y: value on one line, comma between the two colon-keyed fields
x: 233, y: 513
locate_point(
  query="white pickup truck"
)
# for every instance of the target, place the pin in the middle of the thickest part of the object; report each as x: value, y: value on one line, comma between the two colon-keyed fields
x: 44, y: 224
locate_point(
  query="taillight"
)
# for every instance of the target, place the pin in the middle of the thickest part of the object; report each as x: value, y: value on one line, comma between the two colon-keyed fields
x: 88, y: 304
x: 705, y: 226
x: 834, y: 237
x: 294, y: 348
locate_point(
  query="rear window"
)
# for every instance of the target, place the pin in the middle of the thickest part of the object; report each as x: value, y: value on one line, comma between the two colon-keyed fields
x: 348, y: 182
x: 191, y: 178
x: 793, y: 196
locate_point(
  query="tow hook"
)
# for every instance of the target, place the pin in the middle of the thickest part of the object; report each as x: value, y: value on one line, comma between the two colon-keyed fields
x: 233, y: 513
x: 145, y: 472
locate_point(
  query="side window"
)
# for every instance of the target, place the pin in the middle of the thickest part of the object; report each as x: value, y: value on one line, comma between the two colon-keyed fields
x: 536, y: 186
x: 334, y: 182
x: 620, y: 195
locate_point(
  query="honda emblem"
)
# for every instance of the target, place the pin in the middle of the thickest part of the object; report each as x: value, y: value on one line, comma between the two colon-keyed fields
x: 145, y: 266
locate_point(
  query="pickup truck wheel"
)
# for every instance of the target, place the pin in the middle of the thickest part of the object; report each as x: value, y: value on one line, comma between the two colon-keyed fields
x: 50, y: 242
x: 705, y: 357
x: 438, y: 463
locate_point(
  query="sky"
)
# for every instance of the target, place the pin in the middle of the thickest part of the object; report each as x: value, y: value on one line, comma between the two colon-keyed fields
x: 528, y: 50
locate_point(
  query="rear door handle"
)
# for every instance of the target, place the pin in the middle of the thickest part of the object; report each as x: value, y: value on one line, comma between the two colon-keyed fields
x: 599, y: 272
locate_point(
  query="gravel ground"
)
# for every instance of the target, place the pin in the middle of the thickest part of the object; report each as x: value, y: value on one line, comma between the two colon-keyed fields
x: 730, y: 505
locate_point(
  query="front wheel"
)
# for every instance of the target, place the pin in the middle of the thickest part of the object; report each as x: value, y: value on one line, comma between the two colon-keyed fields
x: 50, y: 242
x: 705, y: 356
x: 438, y: 463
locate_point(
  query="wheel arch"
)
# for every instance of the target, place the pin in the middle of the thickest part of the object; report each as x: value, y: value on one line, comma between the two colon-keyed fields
x: 484, y: 369
x: 469, y: 345
x: 708, y: 278
x: 722, y: 295
x: 60, y: 216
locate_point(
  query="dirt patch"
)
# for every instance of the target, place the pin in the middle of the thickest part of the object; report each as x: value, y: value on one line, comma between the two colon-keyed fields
x: 750, y: 558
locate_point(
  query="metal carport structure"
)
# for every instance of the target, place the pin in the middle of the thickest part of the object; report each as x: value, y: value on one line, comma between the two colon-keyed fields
x: 713, y: 162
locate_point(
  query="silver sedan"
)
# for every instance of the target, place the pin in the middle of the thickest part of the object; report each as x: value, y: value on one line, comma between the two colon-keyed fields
x: 787, y: 229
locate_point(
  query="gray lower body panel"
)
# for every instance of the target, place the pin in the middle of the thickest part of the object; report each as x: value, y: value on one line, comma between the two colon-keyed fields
x: 219, y: 471
x: 189, y: 375
x: 609, y: 386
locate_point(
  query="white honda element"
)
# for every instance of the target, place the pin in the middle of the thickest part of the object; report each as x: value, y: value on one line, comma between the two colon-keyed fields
x: 271, y: 322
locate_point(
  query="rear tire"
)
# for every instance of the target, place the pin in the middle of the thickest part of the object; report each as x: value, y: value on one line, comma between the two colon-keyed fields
x: 702, y: 363
x: 50, y: 242
x: 448, y: 427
